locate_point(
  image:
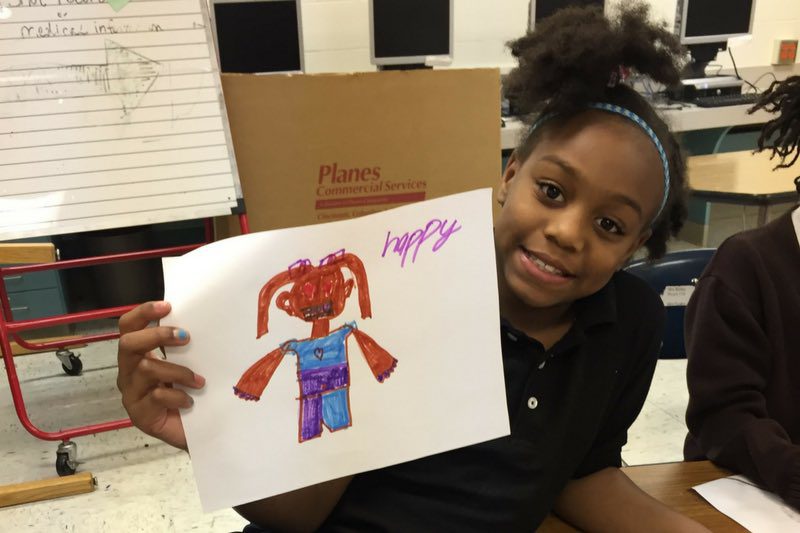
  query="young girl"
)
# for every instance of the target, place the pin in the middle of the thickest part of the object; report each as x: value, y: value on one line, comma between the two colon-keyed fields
x: 742, y: 337
x: 597, y: 176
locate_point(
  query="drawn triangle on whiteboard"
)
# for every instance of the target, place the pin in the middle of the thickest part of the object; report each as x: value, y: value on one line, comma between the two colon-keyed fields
x: 130, y: 75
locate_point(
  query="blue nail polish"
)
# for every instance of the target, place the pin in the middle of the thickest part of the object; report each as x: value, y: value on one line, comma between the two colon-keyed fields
x: 181, y: 334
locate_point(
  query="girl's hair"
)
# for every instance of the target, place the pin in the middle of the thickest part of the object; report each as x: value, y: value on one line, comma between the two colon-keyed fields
x: 575, y: 58
x: 782, y: 133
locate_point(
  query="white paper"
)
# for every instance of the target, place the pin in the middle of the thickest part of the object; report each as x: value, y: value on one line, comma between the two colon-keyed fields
x: 677, y: 295
x: 110, y: 119
x: 755, y: 509
x: 434, y: 309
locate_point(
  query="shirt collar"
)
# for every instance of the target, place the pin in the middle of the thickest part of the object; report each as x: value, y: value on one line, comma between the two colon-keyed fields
x: 593, y: 310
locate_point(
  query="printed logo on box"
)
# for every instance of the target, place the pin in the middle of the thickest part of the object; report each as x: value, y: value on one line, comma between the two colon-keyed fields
x: 345, y: 192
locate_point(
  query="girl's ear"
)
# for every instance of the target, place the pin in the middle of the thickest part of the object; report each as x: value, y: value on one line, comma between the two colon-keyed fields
x: 283, y: 302
x: 512, y: 167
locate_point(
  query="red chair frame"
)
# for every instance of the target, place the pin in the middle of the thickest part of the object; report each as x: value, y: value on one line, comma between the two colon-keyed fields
x: 10, y: 329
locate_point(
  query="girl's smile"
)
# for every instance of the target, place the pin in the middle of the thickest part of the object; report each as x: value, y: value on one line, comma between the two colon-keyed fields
x: 544, y: 268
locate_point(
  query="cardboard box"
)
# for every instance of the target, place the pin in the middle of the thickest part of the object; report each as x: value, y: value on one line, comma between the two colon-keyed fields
x: 317, y: 148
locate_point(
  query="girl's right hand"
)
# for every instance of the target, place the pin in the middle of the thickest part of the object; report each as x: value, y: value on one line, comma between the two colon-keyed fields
x: 145, y: 379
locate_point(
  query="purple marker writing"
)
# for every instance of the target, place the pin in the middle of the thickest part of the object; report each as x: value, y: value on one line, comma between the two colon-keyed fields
x: 408, y: 241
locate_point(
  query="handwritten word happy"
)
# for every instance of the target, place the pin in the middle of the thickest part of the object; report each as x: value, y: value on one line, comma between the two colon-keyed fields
x: 403, y: 244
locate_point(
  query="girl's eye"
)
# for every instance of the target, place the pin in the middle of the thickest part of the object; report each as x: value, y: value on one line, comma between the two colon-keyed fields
x: 308, y: 290
x: 551, y: 192
x: 606, y: 224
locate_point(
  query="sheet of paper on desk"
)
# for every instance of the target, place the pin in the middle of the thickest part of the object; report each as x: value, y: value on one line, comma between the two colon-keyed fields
x: 409, y: 366
x: 755, y: 509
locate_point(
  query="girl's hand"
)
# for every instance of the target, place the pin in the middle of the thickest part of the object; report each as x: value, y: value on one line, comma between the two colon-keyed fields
x: 145, y: 379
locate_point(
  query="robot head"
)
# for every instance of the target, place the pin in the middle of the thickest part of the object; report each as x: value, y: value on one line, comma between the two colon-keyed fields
x: 316, y: 292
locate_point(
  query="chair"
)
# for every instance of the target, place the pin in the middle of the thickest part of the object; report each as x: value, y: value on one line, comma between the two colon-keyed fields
x: 679, y: 268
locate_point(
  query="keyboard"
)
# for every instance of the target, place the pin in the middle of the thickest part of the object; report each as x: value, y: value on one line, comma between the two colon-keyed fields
x: 721, y: 100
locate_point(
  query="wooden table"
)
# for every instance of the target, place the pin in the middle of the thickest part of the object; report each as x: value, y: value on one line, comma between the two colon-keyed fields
x: 671, y: 484
x: 27, y: 252
x: 741, y: 178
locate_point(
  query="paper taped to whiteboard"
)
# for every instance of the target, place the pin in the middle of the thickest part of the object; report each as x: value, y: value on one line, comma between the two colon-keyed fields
x: 110, y: 119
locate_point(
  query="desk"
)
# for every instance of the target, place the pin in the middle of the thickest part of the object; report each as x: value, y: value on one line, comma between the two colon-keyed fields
x: 679, y: 120
x: 671, y: 484
x: 741, y: 178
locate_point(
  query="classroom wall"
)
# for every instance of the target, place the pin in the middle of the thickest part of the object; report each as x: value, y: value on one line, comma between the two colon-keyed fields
x: 336, y: 32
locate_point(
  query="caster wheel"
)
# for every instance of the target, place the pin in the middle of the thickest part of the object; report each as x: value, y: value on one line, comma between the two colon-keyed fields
x: 70, y: 362
x: 76, y: 366
x: 64, y: 466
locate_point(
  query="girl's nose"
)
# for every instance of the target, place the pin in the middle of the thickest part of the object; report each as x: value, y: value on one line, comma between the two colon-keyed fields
x: 565, y: 228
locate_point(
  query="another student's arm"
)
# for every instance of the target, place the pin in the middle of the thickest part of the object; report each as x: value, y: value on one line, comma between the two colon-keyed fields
x: 730, y: 363
x: 609, y: 501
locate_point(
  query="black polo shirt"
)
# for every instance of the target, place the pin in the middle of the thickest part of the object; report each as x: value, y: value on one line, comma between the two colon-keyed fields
x: 570, y: 408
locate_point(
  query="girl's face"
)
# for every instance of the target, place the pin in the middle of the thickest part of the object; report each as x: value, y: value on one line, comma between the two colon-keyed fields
x: 575, y: 210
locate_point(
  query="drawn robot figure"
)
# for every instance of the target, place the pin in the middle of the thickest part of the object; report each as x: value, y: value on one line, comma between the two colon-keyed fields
x: 317, y: 294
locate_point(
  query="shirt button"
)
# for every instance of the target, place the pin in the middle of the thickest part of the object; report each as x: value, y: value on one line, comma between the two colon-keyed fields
x: 511, y: 336
x: 541, y: 365
x: 533, y: 403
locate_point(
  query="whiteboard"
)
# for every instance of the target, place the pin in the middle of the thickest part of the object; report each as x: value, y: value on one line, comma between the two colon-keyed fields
x: 110, y: 118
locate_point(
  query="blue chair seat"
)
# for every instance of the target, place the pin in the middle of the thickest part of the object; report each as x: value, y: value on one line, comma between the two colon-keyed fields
x: 675, y: 268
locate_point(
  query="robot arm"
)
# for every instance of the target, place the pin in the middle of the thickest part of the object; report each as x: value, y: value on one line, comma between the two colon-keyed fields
x: 255, y: 379
x: 379, y: 360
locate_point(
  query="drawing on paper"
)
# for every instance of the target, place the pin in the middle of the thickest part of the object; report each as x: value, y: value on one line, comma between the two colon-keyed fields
x: 317, y: 295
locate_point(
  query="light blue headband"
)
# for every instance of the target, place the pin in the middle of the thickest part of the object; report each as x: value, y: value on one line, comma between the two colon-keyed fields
x: 639, y: 121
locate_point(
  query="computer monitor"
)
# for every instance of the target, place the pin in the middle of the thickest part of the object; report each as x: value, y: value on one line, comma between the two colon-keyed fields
x: 258, y: 36
x: 706, y: 25
x: 410, y: 33
x: 541, y: 9
x: 714, y: 21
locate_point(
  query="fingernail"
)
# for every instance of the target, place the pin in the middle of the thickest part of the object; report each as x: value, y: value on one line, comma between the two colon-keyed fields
x: 190, y: 402
x: 160, y: 307
x: 180, y: 334
x: 199, y: 380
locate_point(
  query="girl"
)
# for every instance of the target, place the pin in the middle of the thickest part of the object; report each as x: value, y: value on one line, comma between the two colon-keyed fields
x: 742, y: 338
x: 597, y: 176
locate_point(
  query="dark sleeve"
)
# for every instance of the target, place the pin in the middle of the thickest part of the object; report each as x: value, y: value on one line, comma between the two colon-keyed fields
x: 727, y: 372
x: 607, y: 447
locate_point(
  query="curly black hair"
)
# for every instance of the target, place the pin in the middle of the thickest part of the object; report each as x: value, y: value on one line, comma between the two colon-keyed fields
x: 571, y: 60
x: 781, y: 134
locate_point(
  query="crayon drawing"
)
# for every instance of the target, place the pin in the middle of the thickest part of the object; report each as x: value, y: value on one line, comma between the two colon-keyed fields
x: 317, y: 295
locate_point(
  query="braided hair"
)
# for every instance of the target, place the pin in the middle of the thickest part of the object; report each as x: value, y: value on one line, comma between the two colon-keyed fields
x: 577, y: 57
x: 782, y: 133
